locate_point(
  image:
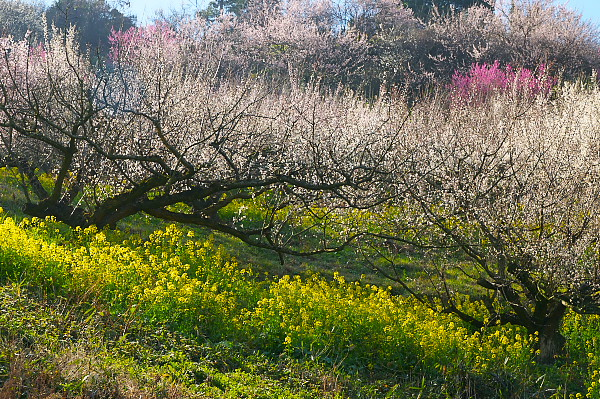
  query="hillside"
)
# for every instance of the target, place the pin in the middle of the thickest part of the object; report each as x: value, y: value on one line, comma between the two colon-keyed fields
x: 301, y: 199
x: 90, y: 313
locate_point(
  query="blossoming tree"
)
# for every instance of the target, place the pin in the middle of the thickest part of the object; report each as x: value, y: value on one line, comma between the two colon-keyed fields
x: 503, y: 203
x: 156, y: 131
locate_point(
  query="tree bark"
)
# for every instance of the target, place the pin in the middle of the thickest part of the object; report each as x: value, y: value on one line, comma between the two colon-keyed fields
x: 551, y: 344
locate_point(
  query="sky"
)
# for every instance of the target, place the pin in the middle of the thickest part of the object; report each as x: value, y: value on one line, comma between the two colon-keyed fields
x: 590, y: 9
x: 146, y: 9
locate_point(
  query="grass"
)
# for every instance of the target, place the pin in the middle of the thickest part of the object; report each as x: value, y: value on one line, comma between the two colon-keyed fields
x: 234, y: 335
x: 162, y: 311
x: 54, y: 349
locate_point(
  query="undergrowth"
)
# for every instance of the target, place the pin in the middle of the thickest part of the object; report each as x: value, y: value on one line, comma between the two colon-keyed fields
x: 88, y: 313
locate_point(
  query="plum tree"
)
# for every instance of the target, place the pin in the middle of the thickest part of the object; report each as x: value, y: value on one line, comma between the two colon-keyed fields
x: 157, y: 132
x: 505, y: 197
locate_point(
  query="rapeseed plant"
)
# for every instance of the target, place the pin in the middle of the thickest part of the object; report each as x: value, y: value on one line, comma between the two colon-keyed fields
x: 177, y: 281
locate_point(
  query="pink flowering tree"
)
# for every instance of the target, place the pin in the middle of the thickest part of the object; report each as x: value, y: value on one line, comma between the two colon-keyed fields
x: 129, y: 45
x: 483, y: 81
x: 523, y: 33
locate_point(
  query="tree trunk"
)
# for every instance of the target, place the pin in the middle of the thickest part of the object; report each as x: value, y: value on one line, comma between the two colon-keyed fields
x: 63, y: 212
x: 551, y: 345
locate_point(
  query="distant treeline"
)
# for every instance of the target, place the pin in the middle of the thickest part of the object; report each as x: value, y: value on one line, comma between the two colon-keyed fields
x: 367, y: 45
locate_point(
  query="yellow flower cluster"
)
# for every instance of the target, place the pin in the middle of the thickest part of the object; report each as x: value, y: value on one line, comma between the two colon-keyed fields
x: 363, y: 323
x: 168, y: 278
x: 196, y: 288
x: 583, y: 333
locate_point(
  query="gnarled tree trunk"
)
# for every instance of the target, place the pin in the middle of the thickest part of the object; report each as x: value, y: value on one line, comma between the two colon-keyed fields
x: 551, y: 343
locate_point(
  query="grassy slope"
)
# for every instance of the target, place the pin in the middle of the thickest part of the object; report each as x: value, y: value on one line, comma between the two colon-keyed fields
x: 63, y: 338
